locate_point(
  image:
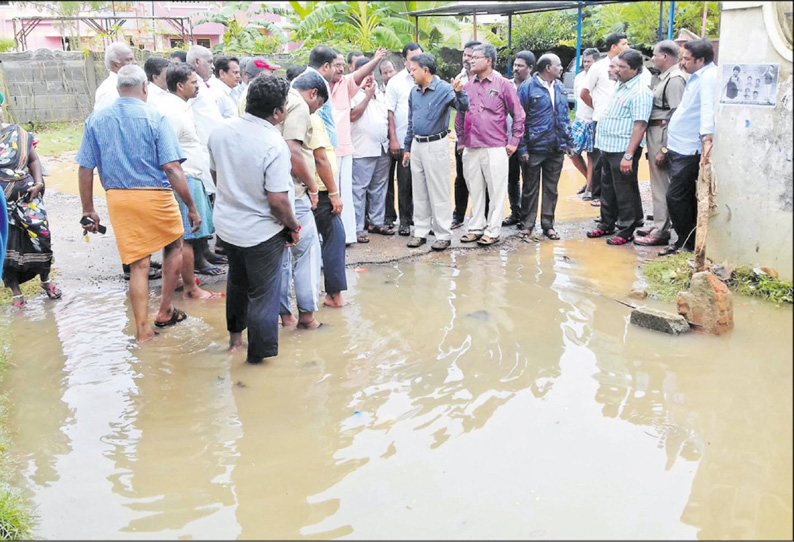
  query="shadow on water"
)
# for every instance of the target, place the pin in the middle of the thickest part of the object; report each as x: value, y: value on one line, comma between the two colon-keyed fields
x: 490, y: 394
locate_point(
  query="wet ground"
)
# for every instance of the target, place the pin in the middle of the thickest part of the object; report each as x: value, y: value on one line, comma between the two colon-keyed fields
x: 495, y: 393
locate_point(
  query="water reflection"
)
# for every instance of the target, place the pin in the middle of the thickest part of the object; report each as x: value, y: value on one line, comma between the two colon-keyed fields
x: 493, y: 394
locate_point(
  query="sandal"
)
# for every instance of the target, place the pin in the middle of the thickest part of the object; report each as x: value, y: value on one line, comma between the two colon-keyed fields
x: 176, y: 317
x: 209, y: 270
x: 551, y: 234
x: 618, y: 240
x: 362, y: 239
x: 19, y: 301
x: 383, y: 230
x: 598, y: 232
x: 596, y: 203
x: 487, y: 241
x: 470, y: 237
x: 51, y: 291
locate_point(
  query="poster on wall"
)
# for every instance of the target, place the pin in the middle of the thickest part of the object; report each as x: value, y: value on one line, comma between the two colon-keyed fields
x: 749, y: 84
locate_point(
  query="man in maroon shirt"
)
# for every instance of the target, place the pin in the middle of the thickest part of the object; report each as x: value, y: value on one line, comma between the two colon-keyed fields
x: 486, y: 146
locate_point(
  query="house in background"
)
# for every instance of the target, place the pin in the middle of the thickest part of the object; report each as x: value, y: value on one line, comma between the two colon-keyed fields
x: 145, y: 34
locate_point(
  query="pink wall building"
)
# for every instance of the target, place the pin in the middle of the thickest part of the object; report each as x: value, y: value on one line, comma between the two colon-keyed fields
x: 153, y: 35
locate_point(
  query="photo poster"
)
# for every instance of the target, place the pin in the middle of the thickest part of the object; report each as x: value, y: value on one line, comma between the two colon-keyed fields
x: 749, y: 84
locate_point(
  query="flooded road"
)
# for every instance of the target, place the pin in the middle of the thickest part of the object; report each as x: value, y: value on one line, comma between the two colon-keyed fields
x: 477, y: 394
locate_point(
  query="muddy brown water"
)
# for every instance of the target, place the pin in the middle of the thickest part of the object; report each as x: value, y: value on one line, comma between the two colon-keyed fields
x: 484, y: 394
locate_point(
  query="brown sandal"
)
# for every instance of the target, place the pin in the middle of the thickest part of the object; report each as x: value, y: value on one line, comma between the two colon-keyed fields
x: 487, y: 241
x: 470, y: 237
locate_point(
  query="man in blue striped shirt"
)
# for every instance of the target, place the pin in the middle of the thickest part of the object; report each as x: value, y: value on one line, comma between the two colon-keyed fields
x: 689, y: 140
x: 138, y: 157
x: 619, y: 137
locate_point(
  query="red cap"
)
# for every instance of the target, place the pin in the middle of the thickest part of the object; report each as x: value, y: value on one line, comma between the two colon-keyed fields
x: 265, y: 65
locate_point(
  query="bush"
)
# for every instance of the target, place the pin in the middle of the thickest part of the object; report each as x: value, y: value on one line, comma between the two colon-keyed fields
x: 7, y: 44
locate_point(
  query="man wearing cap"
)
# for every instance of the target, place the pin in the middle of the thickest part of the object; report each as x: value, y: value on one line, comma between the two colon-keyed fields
x: 253, y: 68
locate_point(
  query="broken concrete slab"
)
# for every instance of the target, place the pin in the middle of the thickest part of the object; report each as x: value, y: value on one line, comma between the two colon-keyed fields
x: 656, y: 320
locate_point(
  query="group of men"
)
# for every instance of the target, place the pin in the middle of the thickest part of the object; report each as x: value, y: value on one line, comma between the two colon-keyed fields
x: 287, y: 173
x: 619, y: 111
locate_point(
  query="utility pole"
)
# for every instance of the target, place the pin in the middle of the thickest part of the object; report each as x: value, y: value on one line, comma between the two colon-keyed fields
x: 705, y: 18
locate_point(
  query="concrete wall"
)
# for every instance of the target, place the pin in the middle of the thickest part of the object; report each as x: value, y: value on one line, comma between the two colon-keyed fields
x: 752, y: 155
x: 50, y: 86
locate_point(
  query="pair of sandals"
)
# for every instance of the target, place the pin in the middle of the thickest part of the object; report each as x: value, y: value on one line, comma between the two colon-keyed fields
x: 482, y: 240
x: 382, y: 230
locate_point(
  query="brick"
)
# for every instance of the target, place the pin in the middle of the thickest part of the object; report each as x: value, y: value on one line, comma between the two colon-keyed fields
x: 656, y: 320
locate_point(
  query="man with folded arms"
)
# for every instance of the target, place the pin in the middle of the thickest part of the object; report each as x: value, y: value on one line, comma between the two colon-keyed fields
x: 429, y: 105
x: 138, y: 157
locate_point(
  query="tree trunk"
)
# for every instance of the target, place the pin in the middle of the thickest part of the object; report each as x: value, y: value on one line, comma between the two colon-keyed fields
x: 704, y: 208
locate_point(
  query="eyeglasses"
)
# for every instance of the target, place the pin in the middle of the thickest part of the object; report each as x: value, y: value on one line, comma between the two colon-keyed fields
x: 477, y: 57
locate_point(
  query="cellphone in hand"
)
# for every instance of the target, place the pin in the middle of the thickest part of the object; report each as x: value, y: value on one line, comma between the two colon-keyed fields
x: 85, y: 221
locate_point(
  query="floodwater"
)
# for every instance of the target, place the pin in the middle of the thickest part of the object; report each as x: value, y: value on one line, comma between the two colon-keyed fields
x: 485, y: 394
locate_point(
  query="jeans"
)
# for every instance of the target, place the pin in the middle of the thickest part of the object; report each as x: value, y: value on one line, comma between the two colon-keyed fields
x: 550, y: 166
x: 332, y: 233
x: 301, y: 264
x: 252, y: 294
x: 369, y: 182
x: 621, y: 203
x: 682, y: 203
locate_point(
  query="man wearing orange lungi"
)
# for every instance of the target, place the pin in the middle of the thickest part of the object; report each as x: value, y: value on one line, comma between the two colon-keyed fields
x: 138, y: 157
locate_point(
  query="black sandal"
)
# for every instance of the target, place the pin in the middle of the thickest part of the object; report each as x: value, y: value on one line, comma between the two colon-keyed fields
x: 362, y: 239
x: 551, y: 233
x: 382, y: 230
x: 176, y: 317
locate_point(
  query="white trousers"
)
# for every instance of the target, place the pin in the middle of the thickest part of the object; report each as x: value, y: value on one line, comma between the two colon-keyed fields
x: 486, y: 168
x: 430, y: 181
x: 344, y: 183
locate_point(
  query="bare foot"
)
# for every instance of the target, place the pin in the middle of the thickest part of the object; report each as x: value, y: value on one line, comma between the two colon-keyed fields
x: 146, y: 334
x: 334, y: 300
x: 288, y: 320
x: 19, y: 301
x: 236, y: 342
x: 200, y: 295
x: 311, y: 324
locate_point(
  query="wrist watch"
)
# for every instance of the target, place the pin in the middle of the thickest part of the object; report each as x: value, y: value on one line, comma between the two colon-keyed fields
x: 664, y: 150
x: 628, y: 156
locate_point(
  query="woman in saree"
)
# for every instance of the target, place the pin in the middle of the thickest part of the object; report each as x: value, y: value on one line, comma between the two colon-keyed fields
x: 29, y: 245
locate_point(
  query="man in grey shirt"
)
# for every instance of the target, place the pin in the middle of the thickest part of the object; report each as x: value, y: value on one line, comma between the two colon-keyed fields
x: 429, y: 106
x: 256, y: 219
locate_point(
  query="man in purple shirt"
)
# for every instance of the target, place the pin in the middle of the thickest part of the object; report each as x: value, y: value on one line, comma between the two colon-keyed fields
x: 486, y: 146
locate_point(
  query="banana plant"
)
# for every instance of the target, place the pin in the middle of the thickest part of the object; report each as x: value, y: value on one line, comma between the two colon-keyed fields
x: 242, y: 30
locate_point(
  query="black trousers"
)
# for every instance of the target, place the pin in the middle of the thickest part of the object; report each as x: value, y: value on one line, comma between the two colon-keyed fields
x: 514, y: 184
x: 405, y: 199
x: 598, y: 169
x: 332, y: 232
x: 390, y: 216
x: 682, y: 204
x: 252, y: 294
x: 545, y: 168
x: 462, y: 192
x: 621, y: 204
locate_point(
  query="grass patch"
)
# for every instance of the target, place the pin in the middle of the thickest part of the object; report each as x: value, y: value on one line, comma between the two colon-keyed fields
x: 56, y: 138
x: 668, y: 276
x: 29, y: 289
x: 16, y: 521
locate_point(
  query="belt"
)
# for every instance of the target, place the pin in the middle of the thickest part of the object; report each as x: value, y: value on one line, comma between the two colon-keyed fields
x: 434, y: 137
x: 658, y: 122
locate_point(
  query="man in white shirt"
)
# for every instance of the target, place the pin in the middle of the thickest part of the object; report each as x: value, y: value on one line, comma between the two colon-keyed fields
x: 582, y: 128
x: 461, y: 190
x: 596, y: 94
x: 183, y: 85
x: 397, y: 92
x: 371, y: 159
x: 156, y: 68
x: 117, y: 55
x: 226, y: 79
x: 206, y: 117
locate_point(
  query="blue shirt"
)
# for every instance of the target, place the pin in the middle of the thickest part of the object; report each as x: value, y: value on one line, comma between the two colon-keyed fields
x: 128, y: 143
x: 694, y: 116
x: 428, y: 110
x: 631, y: 101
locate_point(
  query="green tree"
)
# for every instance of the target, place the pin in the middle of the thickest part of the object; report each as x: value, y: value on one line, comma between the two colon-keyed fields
x: 244, y: 33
